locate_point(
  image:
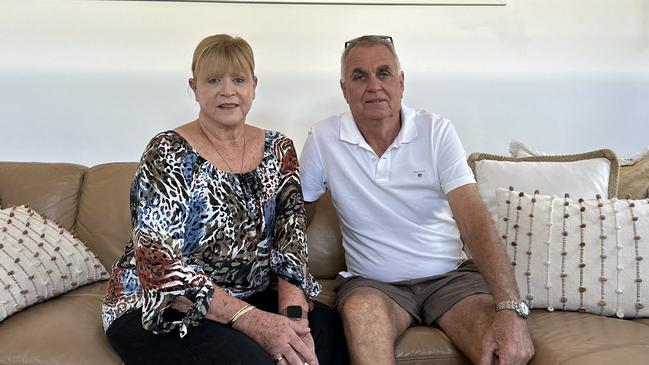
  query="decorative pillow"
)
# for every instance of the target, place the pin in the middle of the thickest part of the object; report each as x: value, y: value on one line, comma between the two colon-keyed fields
x: 634, y: 171
x: 586, y: 255
x: 584, y: 174
x: 40, y: 260
x: 520, y: 149
x: 634, y: 179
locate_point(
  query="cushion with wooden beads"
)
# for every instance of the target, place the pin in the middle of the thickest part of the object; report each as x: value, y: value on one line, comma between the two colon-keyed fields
x: 577, y: 254
x: 40, y: 260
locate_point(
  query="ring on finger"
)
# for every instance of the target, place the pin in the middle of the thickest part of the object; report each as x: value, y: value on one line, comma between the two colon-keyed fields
x: 278, y: 357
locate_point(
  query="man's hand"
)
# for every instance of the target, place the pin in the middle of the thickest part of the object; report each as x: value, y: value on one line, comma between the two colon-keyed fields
x: 507, y: 341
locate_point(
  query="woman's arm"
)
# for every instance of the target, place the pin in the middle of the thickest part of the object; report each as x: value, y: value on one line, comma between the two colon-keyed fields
x: 289, y: 258
x: 159, y: 210
x: 291, y: 295
x: 277, y: 334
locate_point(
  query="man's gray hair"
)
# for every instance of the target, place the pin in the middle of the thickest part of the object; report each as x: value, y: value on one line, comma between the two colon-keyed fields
x: 368, y: 40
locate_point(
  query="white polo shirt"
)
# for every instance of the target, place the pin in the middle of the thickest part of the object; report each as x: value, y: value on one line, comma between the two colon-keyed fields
x: 395, y: 219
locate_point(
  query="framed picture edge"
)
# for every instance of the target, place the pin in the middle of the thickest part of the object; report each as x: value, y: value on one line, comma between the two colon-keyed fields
x: 358, y: 2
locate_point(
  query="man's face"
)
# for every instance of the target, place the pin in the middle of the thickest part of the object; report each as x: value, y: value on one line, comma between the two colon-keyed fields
x: 372, y: 84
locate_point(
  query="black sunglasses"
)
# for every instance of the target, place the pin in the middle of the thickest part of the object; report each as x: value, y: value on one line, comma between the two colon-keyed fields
x: 381, y: 38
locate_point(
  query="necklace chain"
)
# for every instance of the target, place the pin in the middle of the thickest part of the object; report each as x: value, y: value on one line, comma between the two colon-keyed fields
x: 243, y: 155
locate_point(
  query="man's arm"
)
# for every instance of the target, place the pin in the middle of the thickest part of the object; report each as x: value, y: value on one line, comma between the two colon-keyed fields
x: 508, y: 338
x: 478, y: 233
x: 311, y: 175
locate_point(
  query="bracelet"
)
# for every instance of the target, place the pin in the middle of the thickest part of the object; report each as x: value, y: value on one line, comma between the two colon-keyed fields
x: 245, y: 309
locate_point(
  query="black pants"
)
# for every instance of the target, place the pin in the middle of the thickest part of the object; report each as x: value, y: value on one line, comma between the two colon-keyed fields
x: 215, y: 343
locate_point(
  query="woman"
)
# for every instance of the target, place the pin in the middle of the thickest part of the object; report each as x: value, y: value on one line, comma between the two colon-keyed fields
x: 217, y: 209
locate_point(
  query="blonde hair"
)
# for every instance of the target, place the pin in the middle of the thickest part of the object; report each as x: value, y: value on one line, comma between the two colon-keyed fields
x: 223, y: 53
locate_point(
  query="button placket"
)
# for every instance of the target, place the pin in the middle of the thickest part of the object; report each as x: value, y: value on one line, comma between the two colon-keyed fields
x: 382, y: 169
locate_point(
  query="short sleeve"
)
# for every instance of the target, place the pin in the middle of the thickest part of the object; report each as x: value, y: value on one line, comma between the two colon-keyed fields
x: 289, y: 257
x: 312, y: 170
x: 159, y: 197
x: 452, y: 167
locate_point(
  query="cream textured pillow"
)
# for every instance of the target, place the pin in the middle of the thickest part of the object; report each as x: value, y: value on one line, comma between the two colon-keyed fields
x: 39, y: 260
x: 521, y: 149
x: 634, y: 171
x: 586, y: 255
x: 584, y: 174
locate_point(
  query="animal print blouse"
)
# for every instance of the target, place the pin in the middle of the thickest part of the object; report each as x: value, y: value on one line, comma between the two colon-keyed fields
x: 195, y: 227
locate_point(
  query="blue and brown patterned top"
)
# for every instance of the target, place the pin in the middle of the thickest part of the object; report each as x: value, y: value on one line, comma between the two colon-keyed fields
x: 195, y: 226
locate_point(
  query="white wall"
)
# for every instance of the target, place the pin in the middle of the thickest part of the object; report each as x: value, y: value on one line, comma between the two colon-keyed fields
x: 92, y: 81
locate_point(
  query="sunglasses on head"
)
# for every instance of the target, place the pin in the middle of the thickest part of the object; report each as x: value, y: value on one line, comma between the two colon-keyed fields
x: 381, y: 38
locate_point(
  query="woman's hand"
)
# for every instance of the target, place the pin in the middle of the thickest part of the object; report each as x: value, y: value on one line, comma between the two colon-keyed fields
x: 280, y: 336
x: 277, y: 334
x: 308, y: 340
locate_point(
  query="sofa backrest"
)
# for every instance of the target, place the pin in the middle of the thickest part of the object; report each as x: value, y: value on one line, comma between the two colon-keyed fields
x: 326, y: 255
x: 52, y: 189
x: 104, y: 219
x: 93, y: 203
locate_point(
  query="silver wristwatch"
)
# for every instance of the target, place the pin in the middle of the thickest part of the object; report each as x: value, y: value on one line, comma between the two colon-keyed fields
x: 518, y: 305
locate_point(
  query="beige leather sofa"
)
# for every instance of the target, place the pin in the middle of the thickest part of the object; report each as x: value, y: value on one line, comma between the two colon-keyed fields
x: 93, y: 203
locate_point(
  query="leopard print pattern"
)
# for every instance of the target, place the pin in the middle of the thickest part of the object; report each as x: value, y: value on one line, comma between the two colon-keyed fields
x: 196, y: 227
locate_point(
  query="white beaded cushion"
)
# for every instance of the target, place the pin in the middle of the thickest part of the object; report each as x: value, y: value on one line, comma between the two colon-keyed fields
x: 584, y: 174
x: 40, y: 260
x: 586, y: 255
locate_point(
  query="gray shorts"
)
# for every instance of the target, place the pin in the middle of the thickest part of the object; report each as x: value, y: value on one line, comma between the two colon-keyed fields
x: 426, y: 298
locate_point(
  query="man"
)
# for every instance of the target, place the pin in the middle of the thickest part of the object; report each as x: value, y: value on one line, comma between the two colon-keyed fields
x: 405, y: 195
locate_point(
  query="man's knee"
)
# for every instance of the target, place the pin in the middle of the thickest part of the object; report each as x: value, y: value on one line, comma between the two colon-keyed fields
x: 362, y: 301
x: 364, y: 307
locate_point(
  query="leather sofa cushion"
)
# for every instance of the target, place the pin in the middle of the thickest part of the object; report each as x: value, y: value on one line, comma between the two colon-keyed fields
x: 576, y: 338
x: 427, y: 345
x: 52, y: 189
x: 327, y: 295
x: 104, y: 221
x: 326, y: 255
x: 644, y: 321
x: 64, y: 330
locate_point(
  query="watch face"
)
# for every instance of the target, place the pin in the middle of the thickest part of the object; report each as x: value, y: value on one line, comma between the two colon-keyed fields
x: 294, y: 311
x: 525, y: 309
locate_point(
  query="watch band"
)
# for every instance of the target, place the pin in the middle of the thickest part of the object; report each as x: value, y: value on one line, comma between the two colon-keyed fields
x: 518, y: 305
x: 507, y: 304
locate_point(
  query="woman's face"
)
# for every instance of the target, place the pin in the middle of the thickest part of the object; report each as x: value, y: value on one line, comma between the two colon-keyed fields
x: 224, y: 98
